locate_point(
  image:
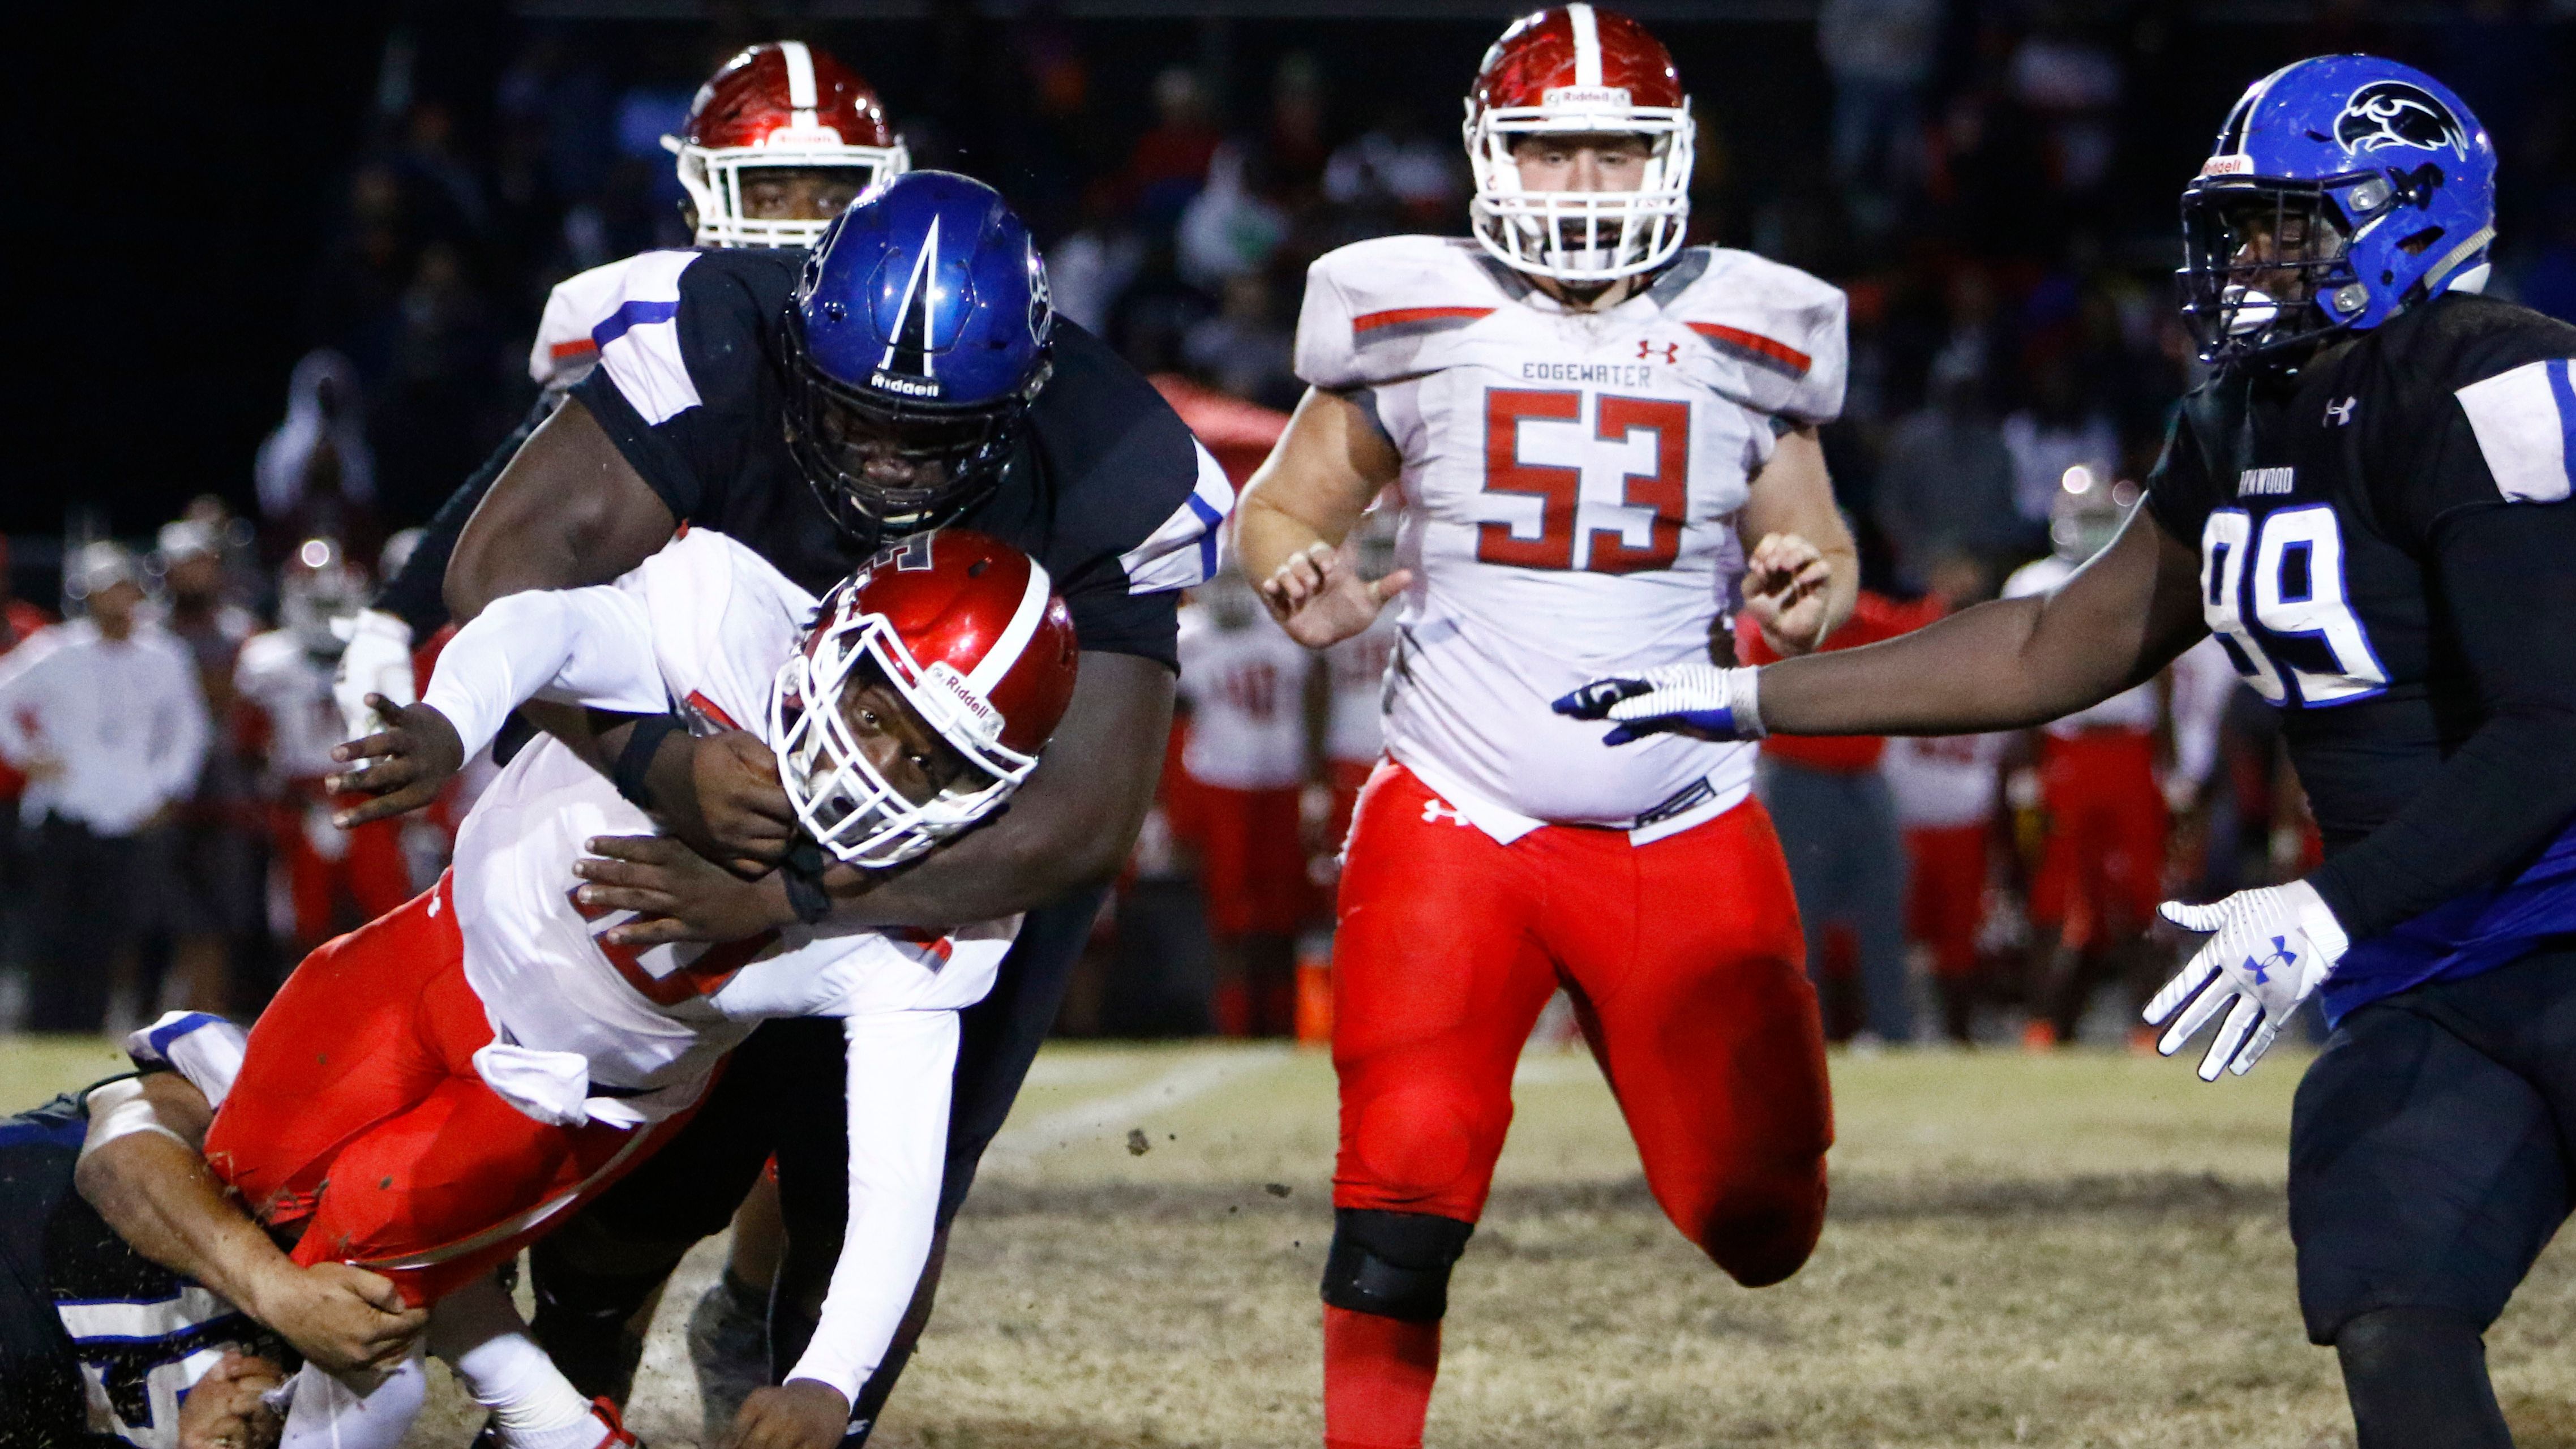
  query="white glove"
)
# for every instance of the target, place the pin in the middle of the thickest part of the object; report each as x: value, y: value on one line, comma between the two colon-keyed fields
x: 376, y: 661
x: 2271, y: 950
x: 1700, y: 700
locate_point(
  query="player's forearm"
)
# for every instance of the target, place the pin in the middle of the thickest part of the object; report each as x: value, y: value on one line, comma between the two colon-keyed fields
x: 1069, y: 827
x: 1266, y: 535
x: 156, y: 1192
x: 1974, y: 671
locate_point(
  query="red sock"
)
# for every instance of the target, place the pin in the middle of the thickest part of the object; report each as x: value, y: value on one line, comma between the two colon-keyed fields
x: 1377, y: 1379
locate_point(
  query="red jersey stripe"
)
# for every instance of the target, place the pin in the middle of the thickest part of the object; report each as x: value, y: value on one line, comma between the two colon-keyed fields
x: 574, y: 348
x: 1397, y: 316
x: 1755, y: 342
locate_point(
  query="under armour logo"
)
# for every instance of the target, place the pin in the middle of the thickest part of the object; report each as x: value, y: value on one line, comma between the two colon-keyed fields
x: 1436, y: 810
x: 1646, y: 350
x: 2282, y: 957
x: 2339, y: 414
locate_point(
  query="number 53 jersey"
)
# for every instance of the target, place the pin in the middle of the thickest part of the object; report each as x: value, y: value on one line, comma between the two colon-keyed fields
x: 2318, y: 502
x: 1571, y: 486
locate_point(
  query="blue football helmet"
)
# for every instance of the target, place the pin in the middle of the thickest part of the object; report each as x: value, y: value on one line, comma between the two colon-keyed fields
x: 2343, y: 190
x: 918, y: 333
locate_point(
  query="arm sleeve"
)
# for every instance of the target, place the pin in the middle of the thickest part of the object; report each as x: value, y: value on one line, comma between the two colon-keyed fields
x: 899, y: 1067
x: 418, y: 594
x: 590, y: 646
x: 2511, y: 786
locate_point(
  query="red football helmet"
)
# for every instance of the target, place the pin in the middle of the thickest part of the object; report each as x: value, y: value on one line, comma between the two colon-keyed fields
x: 1573, y: 69
x: 968, y: 631
x: 775, y: 105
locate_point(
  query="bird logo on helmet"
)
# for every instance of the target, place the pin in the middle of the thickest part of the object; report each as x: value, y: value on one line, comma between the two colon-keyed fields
x: 918, y: 337
x: 968, y: 633
x: 2343, y: 189
x: 1579, y: 70
x: 778, y: 106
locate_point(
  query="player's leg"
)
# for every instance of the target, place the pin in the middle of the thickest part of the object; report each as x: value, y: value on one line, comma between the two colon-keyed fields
x: 2450, y: 1087
x: 1945, y: 885
x: 729, y: 1326
x: 1685, y: 952
x: 477, y: 1332
x: 1799, y: 801
x: 1437, y: 979
x: 1276, y: 858
x: 366, y: 1027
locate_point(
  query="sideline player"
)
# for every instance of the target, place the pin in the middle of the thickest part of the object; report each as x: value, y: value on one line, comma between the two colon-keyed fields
x: 427, y: 1095
x: 2368, y: 504
x: 109, y: 1343
x: 1591, y: 428
x: 786, y: 401
x: 1246, y: 756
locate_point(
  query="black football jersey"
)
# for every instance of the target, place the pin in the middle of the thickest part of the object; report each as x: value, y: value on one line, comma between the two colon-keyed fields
x: 1106, y: 487
x: 2317, y: 501
x: 97, y: 1342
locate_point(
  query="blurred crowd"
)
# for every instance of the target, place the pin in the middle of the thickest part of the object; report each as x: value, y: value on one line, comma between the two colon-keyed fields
x: 1992, y: 182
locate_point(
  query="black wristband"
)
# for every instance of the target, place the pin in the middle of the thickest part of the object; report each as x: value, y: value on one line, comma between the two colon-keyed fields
x: 802, y: 870
x: 637, y: 758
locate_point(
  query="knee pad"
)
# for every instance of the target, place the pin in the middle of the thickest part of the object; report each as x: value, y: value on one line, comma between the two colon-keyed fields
x: 1394, y: 1265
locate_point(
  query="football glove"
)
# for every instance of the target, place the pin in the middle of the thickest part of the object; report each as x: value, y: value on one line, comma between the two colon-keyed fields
x: 2270, y: 949
x: 376, y: 661
x: 1700, y: 700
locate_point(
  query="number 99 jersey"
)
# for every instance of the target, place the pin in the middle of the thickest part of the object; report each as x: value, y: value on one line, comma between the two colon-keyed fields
x: 2318, y: 501
x: 1571, y: 483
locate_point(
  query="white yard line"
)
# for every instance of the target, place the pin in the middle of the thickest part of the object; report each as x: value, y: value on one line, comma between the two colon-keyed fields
x: 1194, y: 1075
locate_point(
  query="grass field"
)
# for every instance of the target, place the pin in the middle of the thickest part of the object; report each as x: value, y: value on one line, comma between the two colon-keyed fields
x: 2080, y: 1249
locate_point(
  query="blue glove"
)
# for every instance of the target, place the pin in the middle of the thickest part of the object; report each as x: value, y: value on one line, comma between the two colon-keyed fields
x: 1699, y: 700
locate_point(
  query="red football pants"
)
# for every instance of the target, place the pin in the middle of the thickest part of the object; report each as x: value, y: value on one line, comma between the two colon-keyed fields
x: 371, y: 870
x: 358, y: 1112
x: 1252, y: 860
x: 2102, y: 871
x: 1945, y: 893
x: 1683, y: 958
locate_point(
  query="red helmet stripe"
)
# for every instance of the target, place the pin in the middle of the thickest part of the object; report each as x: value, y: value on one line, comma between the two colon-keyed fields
x: 1587, y: 45
x: 1006, y: 651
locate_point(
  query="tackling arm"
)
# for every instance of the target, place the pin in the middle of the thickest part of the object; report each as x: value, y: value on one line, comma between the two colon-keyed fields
x: 569, y: 510
x: 141, y: 1169
x: 2009, y: 663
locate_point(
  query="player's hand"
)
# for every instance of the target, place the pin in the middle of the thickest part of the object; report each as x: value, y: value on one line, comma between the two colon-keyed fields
x: 1319, y: 597
x: 224, y: 1410
x: 678, y: 894
x: 1784, y: 591
x: 403, y: 766
x: 341, y: 1317
x: 737, y: 813
x: 799, y: 1414
x: 2271, y: 949
x: 376, y: 661
x: 1699, y: 700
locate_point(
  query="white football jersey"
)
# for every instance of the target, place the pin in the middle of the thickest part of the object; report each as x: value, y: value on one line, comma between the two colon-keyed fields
x: 1941, y: 781
x: 2134, y: 708
x: 1247, y: 694
x: 292, y: 690
x: 565, y: 350
x: 701, y: 627
x: 1570, y: 488
x: 1355, y: 719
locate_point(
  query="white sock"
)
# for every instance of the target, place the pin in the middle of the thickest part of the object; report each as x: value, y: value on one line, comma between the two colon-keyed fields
x: 478, y: 1331
x: 374, y: 1412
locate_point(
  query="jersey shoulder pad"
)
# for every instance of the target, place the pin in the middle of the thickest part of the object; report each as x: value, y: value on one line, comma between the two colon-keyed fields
x: 723, y: 620
x: 634, y: 333
x: 564, y: 353
x: 1778, y: 332
x: 2036, y: 577
x: 2513, y: 372
x: 1372, y: 306
x: 1136, y: 499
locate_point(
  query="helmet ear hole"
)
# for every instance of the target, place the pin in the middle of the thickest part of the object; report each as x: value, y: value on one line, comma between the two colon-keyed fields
x: 2421, y: 242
